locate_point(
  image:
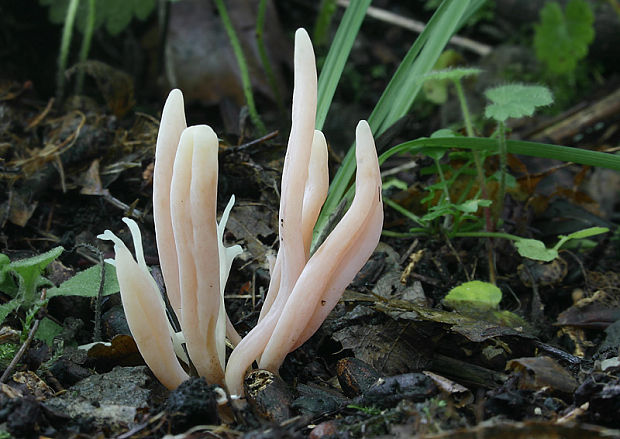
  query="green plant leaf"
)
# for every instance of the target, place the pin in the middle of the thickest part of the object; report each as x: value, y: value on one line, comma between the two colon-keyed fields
x: 436, y: 82
x: 7, y: 284
x: 114, y: 14
x: 535, y: 249
x: 516, y: 100
x: 86, y: 283
x: 580, y: 234
x: 7, y: 308
x: 561, y: 38
x: 474, y: 295
x: 533, y: 149
x: 472, y: 206
x: 143, y: 8
x: 454, y: 74
x: 48, y: 329
x: 30, y: 272
x: 586, y: 233
x: 337, y: 57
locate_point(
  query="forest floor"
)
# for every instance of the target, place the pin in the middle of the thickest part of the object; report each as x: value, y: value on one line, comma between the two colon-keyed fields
x: 393, y: 358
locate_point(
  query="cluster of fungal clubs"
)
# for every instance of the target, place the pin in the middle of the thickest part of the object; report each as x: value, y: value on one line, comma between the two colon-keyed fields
x: 195, y: 264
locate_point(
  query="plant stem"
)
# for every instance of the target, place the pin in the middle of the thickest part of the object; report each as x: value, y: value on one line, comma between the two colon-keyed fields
x: 464, y: 108
x: 397, y: 207
x: 86, y: 39
x: 65, y: 44
x: 488, y: 222
x: 503, y: 159
x: 477, y: 159
x: 442, y: 177
x: 243, y: 67
x: 487, y: 235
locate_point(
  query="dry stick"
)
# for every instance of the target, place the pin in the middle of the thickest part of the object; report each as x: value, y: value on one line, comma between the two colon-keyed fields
x: 22, y: 350
x: 418, y: 26
x: 97, y: 330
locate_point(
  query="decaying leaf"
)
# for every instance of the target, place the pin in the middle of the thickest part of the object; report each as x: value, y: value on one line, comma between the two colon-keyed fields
x: 538, y: 372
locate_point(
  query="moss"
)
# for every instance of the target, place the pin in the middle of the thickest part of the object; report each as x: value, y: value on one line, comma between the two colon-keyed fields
x: 7, y: 352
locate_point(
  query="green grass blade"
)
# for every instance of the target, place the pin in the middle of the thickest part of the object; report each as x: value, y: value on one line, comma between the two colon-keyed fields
x: 262, y: 53
x: 402, y: 88
x: 243, y: 67
x: 533, y: 149
x: 337, y: 57
x: 65, y: 43
x: 320, y: 34
x: 440, y: 28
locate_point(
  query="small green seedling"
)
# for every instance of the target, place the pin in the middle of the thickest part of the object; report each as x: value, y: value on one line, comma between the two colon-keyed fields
x: 512, y: 100
x: 535, y: 249
x: 22, y: 280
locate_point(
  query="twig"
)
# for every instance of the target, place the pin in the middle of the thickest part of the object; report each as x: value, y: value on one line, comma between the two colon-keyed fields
x: 418, y: 26
x: 99, y: 300
x: 254, y: 142
x: 22, y: 350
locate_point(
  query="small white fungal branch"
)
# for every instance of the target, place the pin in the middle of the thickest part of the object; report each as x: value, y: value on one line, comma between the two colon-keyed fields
x: 195, y: 264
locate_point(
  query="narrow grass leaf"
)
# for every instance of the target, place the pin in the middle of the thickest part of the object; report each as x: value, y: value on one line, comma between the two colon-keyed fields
x: 337, y: 57
x: 402, y: 89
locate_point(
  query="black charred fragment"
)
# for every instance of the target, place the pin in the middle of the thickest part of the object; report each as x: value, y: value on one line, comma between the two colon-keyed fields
x: 27, y: 417
x: 355, y: 376
x: 194, y: 402
x: 391, y: 390
x: 268, y: 395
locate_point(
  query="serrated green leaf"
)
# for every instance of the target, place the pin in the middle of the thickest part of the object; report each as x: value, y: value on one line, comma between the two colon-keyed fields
x: 475, y: 294
x: 30, y: 272
x: 516, y: 100
x: 23, y: 267
x: 562, y: 38
x: 86, y: 283
x: 472, y: 206
x: 535, y: 249
x: 436, y: 82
